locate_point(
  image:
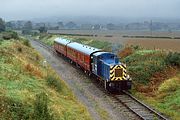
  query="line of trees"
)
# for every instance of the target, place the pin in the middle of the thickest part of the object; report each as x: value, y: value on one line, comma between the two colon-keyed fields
x: 2, y: 25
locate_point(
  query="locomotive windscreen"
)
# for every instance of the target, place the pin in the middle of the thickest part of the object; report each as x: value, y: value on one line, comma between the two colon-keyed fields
x: 119, y: 72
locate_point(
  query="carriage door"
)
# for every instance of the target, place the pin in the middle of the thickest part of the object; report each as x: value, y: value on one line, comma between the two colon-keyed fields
x: 94, y: 65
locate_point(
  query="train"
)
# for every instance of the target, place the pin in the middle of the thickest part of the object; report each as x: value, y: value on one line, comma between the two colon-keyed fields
x: 105, y: 66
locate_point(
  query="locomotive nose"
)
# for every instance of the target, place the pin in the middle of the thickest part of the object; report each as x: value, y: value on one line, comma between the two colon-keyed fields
x: 118, y: 72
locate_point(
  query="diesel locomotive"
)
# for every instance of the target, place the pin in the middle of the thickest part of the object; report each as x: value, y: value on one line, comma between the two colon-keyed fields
x: 104, y: 65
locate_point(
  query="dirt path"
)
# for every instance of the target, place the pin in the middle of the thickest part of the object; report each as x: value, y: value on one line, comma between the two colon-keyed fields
x: 98, y: 104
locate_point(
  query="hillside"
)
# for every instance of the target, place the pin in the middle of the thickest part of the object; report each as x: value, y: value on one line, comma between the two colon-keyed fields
x: 30, y: 89
x: 156, y: 78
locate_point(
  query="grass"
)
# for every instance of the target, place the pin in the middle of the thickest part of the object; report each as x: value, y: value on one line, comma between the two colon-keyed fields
x: 49, y: 40
x: 142, y: 64
x: 166, y: 98
x: 94, y: 43
x: 23, y: 78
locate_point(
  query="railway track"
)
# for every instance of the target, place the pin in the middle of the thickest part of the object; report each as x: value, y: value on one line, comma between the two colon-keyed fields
x: 143, y: 111
x: 137, y: 107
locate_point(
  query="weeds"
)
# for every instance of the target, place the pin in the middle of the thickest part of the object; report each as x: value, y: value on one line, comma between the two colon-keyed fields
x: 173, y: 59
x: 16, y: 110
x: 54, y: 82
x: 143, y: 64
x: 33, y: 70
x: 27, y: 43
x: 169, y: 85
x: 41, y: 111
x: 126, y: 52
x: 10, y: 35
x: 19, y: 49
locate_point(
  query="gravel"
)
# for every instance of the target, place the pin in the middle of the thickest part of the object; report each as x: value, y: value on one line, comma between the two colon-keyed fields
x: 99, y: 104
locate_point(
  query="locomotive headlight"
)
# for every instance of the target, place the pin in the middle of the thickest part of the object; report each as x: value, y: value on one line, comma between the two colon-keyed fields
x: 128, y: 77
x: 111, y: 84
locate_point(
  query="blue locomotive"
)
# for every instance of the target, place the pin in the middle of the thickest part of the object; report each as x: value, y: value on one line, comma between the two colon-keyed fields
x: 104, y: 65
x: 107, y: 67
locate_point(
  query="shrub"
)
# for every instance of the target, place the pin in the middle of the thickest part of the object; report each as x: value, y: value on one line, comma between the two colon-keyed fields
x: 19, y: 49
x: 26, y: 32
x: 173, y: 59
x: 16, y: 110
x: 10, y: 35
x: 54, y: 82
x: 137, y: 47
x: 126, y: 52
x: 170, y: 85
x: 27, y: 43
x: 41, y: 111
x: 143, y: 64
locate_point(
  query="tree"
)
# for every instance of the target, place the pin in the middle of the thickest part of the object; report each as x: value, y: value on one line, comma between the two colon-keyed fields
x: 27, y: 28
x: 9, y: 25
x: 110, y: 26
x: 2, y: 25
x: 42, y: 29
x: 71, y: 25
x: 60, y: 25
x: 28, y: 25
x: 96, y: 27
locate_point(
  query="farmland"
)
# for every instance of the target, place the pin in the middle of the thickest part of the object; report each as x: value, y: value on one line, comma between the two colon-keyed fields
x: 114, y: 36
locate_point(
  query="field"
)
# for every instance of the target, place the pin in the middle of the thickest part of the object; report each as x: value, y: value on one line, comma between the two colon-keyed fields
x: 115, y: 36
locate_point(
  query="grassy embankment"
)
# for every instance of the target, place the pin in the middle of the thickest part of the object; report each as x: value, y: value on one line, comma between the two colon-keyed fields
x: 155, y: 74
x: 156, y: 78
x: 31, y: 90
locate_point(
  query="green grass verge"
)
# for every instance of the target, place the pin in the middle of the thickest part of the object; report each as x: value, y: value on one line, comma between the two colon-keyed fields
x: 27, y: 91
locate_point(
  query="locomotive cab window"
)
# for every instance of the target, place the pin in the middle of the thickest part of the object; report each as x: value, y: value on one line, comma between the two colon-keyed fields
x: 112, y: 56
x: 118, y: 72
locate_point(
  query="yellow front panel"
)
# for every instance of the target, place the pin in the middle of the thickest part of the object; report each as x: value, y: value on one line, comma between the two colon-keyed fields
x: 117, y: 72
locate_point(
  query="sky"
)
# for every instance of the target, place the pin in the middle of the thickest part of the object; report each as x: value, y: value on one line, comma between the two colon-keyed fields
x: 29, y: 9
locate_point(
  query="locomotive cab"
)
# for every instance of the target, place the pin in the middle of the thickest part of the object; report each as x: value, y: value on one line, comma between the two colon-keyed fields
x: 113, y: 73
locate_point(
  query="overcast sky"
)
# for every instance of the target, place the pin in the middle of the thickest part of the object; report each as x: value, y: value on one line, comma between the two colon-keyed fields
x: 28, y: 9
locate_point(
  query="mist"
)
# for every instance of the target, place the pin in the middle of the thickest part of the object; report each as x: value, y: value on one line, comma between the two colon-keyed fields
x: 131, y: 9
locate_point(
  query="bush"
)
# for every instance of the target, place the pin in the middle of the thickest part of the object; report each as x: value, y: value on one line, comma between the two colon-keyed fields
x: 26, y: 32
x: 16, y: 110
x: 41, y: 111
x: 10, y: 35
x: 126, y: 52
x: 54, y: 82
x: 173, y: 59
x: 27, y: 43
x: 19, y: 49
x: 143, y: 64
x: 169, y: 85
